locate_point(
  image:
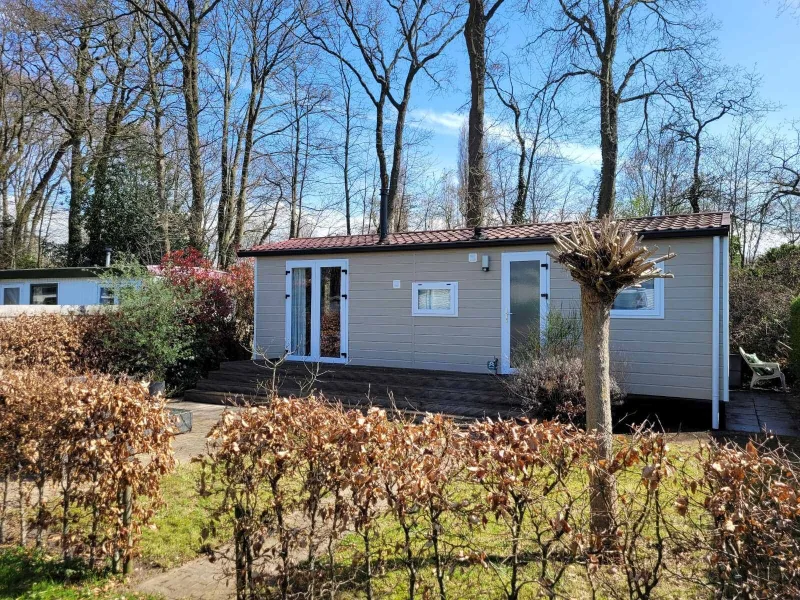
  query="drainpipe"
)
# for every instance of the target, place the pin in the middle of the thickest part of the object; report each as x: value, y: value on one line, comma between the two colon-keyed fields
x: 383, y: 228
x: 255, y: 308
x: 715, y: 348
x: 726, y: 338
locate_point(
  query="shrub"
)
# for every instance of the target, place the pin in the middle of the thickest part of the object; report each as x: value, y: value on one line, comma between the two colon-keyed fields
x: 63, y: 343
x: 101, y: 444
x: 549, y: 378
x: 501, y: 509
x: 209, y: 299
x: 147, y: 334
x: 751, y: 496
x: 240, y: 283
x: 760, y: 299
x: 794, y: 328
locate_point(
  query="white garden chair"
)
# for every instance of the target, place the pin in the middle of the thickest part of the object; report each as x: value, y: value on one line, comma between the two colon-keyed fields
x: 762, y: 371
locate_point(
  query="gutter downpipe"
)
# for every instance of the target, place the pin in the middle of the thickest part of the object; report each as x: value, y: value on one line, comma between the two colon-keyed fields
x: 726, y: 339
x: 715, y: 347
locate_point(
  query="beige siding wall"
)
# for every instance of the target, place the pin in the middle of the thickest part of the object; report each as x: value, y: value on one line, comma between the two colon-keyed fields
x: 666, y: 357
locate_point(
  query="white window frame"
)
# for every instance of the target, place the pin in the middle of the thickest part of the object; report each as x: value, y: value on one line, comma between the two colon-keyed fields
x: 316, y: 266
x: 657, y: 312
x: 416, y: 286
x: 4, y: 287
x: 114, y: 295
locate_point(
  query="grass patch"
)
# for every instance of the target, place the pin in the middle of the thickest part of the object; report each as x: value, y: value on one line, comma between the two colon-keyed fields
x: 175, y: 537
x: 31, y: 575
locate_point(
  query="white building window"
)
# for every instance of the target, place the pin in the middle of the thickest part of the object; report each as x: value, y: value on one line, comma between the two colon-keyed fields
x: 44, y: 293
x: 12, y: 295
x: 106, y: 295
x: 644, y: 302
x: 434, y: 299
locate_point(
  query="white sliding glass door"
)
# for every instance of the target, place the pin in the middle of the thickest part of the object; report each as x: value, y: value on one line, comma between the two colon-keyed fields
x: 316, y: 310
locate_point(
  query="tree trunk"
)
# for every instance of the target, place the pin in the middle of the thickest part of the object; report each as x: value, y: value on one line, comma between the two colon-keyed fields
x: 380, y: 150
x: 695, y: 190
x: 225, y: 206
x: 158, y: 141
x: 393, y: 216
x: 191, y: 99
x: 475, y: 36
x: 596, y: 317
x: 518, y: 211
x: 294, y: 222
x: 609, y: 145
x: 77, y: 128
x: 346, y: 165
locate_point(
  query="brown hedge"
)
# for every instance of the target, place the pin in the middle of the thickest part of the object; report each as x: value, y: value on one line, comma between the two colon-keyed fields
x: 64, y: 344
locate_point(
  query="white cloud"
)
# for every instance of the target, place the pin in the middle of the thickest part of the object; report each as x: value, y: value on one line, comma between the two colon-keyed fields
x: 581, y: 153
x: 449, y: 123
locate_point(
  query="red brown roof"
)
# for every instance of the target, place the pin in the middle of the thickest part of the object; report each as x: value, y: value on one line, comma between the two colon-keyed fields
x: 667, y: 226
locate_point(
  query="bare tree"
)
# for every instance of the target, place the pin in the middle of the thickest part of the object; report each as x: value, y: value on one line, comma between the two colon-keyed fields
x: 655, y: 175
x: 535, y: 122
x: 625, y: 46
x: 701, y: 100
x: 181, y: 22
x: 604, y: 259
x: 478, y: 18
x: 375, y: 40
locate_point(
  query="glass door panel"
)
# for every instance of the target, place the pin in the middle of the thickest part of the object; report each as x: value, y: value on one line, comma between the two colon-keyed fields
x: 524, y: 308
x: 316, y: 310
x: 301, y: 297
x: 330, y: 312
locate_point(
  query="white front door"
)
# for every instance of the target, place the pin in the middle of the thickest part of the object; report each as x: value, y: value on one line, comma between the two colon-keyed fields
x: 316, y: 310
x: 525, y: 290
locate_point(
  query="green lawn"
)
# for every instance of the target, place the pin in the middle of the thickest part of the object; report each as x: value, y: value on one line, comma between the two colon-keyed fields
x: 173, y: 540
x: 175, y: 537
x: 33, y: 576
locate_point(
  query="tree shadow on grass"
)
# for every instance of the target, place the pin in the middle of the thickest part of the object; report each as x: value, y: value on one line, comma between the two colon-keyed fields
x: 23, y: 571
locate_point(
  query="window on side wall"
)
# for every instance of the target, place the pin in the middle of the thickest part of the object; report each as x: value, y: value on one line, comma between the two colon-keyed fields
x: 644, y: 302
x: 44, y: 293
x: 434, y: 299
x: 106, y: 295
x: 11, y: 295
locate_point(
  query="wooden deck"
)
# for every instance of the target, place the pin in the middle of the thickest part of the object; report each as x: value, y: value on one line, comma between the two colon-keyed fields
x: 414, y: 391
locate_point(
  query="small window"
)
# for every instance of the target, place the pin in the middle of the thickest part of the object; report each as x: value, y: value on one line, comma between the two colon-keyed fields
x: 11, y: 296
x: 644, y: 302
x: 44, y: 293
x: 435, y: 299
x: 106, y: 295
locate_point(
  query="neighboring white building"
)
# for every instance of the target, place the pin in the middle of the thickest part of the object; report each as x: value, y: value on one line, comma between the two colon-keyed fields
x: 70, y: 286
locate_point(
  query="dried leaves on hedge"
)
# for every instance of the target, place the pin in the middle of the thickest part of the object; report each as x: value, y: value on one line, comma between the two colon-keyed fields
x: 93, y: 439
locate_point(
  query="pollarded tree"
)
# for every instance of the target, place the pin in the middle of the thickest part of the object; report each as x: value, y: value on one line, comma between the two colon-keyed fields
x: 604, y: 258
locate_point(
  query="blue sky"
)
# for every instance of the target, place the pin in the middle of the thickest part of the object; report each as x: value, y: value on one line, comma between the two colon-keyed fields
x: 752, y: 34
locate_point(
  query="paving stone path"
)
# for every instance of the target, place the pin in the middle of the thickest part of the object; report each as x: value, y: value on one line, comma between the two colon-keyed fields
x: 753, y: 411
x: 198, y: 579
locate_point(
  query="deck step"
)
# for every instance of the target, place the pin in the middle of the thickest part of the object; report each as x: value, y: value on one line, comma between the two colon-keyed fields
x: 412, y: 391
x: 366, y: 389
x: 407, y: 409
